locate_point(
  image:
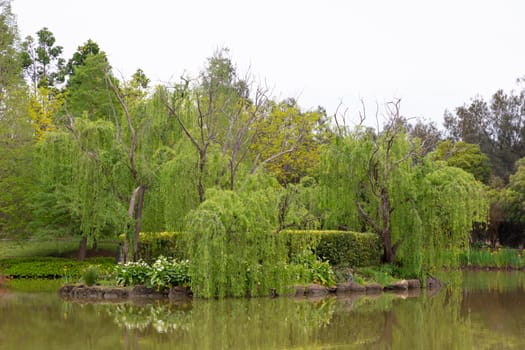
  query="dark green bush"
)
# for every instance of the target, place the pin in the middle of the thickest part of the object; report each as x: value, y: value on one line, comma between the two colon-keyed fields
x: 49, y: 267
x: 341, y: 248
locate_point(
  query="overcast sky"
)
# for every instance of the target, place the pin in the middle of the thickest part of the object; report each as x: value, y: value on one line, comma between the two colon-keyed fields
x: 434, y: 55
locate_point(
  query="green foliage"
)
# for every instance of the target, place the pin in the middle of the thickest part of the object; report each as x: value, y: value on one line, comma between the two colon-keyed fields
x: 286, y: 125
x: 154, y: 244
x: 310, y: 269
x: 342, y: 248
x: 162, y: 274
x: 87, y: 90
x: 450, y: 202
x: 514, y: 194
x: 495, y: 125
x: 90, y: 275
x: 417, y: 206
x: 79, y: 182
x: 298, y: 207
x: 232, y: 247
x: 132, y: 273
x: 165, y: 273
x: 16, y: 135
x: 499, y: 258
x: 382, y: 275
x: 48, y: 267
x: 41, y: 60
x: 466, y: 156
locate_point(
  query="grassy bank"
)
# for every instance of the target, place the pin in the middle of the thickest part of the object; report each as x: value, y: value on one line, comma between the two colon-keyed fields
x: 501, y: 258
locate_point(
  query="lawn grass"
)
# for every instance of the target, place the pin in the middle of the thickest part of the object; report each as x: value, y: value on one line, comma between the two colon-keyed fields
x: 42, y: 248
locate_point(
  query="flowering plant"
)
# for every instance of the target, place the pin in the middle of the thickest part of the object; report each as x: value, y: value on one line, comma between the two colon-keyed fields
x: 163, y: 273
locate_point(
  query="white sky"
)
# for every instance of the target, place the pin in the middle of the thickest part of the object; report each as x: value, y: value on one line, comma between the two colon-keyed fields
x: 434, y: 55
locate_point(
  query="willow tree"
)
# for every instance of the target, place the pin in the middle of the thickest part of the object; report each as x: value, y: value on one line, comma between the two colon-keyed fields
x: 206, y: 108
x: 80, y: 180
x: 377, y: 182
x: 145, y: 133
x: 138, y: 128
x: 223, y: 116
x: 232, y: 247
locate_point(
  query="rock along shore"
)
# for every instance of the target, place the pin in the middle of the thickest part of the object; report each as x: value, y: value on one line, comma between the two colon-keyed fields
x: 99, y: 293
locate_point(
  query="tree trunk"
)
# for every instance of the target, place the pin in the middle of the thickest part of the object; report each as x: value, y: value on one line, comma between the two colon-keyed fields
x: 82, y: 248
x: 389, y: 253
x: 138, y: 221
x: 135, y: 215
x: 202, y: 168
x: 125, y: 250
x: 386, y: 211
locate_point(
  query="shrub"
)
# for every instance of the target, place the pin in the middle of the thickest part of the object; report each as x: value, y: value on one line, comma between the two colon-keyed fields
x: 131, y: 273
x: 166, y: 273
x: 341, y: 248
x: 310, y: 269
x: 90, y: 275
x: 155, y: 244
x: 163, y: 273
x: 49, y: 267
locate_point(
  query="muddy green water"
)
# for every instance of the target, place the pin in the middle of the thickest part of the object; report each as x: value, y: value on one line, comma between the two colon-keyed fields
x: 485, y: 311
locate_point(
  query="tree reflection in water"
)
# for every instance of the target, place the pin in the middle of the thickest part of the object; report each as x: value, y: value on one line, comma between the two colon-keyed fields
x: 486, y: 313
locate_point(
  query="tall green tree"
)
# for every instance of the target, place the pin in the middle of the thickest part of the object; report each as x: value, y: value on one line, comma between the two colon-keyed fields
x: 515, y: 196
x: 88, y: 92
x: 42, y: 61
x: 89, y: 48
x: 44, y: 69
x: 497, y: 126
x: 16, y: 175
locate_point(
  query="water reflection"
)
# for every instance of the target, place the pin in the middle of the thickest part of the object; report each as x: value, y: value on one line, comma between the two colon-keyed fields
x: 487, y: 312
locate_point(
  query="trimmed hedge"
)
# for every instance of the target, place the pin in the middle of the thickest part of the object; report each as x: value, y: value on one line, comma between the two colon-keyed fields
x: 155, y: 244
x: 49, y: 267
x: 340, y: 248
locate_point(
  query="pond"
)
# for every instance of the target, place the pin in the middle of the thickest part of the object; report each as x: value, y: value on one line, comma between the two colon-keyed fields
x: 485, y: 311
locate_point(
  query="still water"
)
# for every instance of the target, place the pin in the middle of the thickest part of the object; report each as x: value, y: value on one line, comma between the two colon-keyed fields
x: 486, y: 310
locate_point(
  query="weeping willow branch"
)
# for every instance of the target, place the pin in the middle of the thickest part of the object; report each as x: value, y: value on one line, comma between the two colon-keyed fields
x: 133, y: 137
x: 71, y: 128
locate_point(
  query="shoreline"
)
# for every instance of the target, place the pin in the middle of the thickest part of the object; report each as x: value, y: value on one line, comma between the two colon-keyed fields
x: 114, y: 293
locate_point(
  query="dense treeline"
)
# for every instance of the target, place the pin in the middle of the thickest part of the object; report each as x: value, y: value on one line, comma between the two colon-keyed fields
x: 87, y: 154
